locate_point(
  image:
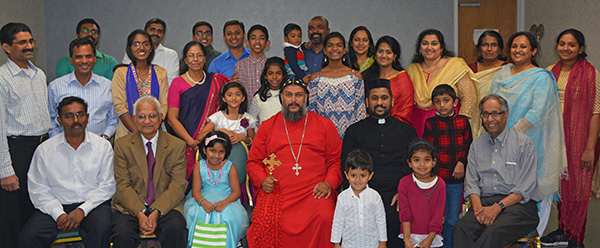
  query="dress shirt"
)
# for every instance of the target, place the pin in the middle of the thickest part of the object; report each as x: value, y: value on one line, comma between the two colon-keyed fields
x: 103, y: 66
x: 386, y: 140
x: 249, y: 71
x: 359, y: 222
x: 154, y: 140
x: 164, y: 57
x: 505, y: 165
x: 225, y: 63
x: 312, y: 59
x: 24, y: 97
x: 97, y: 93
x: 60, y: 175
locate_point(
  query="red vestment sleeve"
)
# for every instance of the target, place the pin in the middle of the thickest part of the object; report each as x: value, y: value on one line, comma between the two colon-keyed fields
x: 255, y: 166
x: 333, y: 152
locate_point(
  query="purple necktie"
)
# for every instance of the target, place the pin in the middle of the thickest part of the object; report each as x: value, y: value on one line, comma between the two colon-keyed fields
x: 151, y: 161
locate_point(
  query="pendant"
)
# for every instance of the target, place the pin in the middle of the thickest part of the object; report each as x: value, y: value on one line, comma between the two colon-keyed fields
x: 297, y: 168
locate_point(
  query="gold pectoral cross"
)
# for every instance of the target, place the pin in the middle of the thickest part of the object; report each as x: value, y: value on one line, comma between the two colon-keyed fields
x: 271, y: 162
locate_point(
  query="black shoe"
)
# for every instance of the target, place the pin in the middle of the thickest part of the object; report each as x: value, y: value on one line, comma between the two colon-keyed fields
x: 556, y: 238
x: 573, y: 244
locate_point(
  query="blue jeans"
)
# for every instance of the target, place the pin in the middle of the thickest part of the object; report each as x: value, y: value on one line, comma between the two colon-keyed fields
x: 454, y: 193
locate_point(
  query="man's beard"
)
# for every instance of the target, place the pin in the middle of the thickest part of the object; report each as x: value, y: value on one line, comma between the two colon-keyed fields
x: 293, y: 116
x: 386, y: 113
x: 316, y: 39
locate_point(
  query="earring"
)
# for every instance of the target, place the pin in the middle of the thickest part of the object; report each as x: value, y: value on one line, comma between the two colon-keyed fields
x: 325, y: 59
x: 344, y: 59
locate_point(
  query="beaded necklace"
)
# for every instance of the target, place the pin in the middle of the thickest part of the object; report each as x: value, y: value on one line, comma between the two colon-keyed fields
x: 143, y: 87
x: 220, y: 172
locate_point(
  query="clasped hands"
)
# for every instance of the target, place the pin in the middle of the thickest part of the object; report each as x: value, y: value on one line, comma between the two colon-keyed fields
x: 68, y: 222
x: 209, y: 206
x: 487, y: 215
x: 147, y: 223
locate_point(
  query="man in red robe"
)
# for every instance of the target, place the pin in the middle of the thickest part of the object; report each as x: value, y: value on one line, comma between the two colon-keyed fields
x: 308, y: 147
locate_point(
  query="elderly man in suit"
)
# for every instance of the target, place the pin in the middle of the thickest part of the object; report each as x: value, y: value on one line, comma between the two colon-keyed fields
x: 150, y: 167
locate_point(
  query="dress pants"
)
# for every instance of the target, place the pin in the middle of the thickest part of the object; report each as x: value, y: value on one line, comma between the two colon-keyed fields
x: 511, y: 224
x: 15, y: 206
x: 94, y: 229
x: 171, y: 230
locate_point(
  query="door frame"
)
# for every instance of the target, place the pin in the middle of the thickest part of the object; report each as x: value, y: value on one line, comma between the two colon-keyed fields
x: 520, y: 20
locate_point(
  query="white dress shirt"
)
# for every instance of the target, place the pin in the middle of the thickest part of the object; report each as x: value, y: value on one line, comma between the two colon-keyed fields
x: 164, y: 57
x: 97, y: 93
x: 60, y: 175
x: 359, y: 222
x: 154, y: 140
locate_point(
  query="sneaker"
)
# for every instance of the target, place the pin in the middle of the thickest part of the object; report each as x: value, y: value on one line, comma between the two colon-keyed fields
x: 556, y: 238
x: 573, y: 244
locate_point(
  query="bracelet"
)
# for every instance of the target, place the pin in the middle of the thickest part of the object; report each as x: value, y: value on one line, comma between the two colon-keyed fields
x: 250, y: 143
x: 201, y: 200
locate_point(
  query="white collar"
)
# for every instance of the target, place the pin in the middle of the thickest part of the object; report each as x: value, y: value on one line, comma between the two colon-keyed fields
x: 423, y: 185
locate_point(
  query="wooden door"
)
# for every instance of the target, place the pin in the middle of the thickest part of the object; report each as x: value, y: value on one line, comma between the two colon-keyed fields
x: 492, y: 14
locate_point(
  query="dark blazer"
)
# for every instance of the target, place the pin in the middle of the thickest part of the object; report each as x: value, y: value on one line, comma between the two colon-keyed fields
x: 131, y: 174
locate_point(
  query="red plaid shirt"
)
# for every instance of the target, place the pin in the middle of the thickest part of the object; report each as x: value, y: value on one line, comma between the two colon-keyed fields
x: 452, y: 136
x: 249, y: 70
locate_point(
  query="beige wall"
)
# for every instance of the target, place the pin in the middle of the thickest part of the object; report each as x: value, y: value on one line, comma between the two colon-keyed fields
x: 558, y: 15
x: 30, y: 12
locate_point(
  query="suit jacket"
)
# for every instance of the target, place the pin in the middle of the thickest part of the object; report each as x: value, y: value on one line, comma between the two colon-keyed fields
x: 131, y: 174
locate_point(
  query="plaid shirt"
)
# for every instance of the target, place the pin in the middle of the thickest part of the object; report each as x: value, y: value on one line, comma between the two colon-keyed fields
x: 249, y: 70
x: 452, y: 136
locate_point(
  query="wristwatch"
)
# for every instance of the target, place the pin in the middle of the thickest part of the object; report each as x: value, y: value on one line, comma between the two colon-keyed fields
x: 154, y: 209
x: 501, y: 205
x: 105, y: 136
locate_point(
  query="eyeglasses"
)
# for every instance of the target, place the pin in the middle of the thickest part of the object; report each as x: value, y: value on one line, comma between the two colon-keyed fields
x: 138, y: 44
x: 25, y: 42
x: 207, y: 33
x: 151, y: 116
x: 198, y: 56
x: 93, y: 31
x: 70, y: 116
x: 494, y: 114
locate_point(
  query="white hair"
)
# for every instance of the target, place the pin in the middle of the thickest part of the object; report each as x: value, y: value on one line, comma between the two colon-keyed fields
x: 149, y: 99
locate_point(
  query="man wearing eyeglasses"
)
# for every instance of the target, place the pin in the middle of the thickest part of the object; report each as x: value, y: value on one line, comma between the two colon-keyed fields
x: 164, y: 57
x: 71, y: 182
x: 83, y: 83
x: 203, y: 32
x: 150, y: 170
x: 500, y: 182
x: 88, y: 28
x: 24, y: 124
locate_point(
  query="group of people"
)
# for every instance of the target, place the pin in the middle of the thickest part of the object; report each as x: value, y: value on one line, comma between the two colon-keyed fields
x: 163, y: 143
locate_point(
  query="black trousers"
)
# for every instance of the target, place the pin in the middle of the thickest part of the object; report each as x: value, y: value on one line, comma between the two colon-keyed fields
x: 171, y: 230
x: 94, y: 229
x: 512, y: 223
x: 15, y: 206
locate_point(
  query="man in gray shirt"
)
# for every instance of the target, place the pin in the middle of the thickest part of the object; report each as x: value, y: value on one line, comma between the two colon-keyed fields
x: 500, y: 182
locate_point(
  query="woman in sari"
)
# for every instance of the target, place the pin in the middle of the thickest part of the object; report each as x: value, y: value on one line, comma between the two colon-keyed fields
x: 360, y: 54
x: 193, y: 97
x: 489, y: 62
x: 534, y: 110
x: 433, y: 65
x: 387, y: 65
x: 579, y: 90
x: 139, y: 78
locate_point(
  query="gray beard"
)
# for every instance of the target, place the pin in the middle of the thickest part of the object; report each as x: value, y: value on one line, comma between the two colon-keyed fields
x: 293, y: 116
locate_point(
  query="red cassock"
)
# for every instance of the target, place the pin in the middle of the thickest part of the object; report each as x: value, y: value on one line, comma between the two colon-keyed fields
x: 305, y: 221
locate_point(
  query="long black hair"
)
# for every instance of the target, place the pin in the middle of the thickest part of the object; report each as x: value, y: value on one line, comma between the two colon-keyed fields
x: 263, y: 91
x: 327, y: 38
x: 225, y: 88
x: 418, y: 57
x: 373, y: 72
x: 130, y: 39
x: 352, y: 60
